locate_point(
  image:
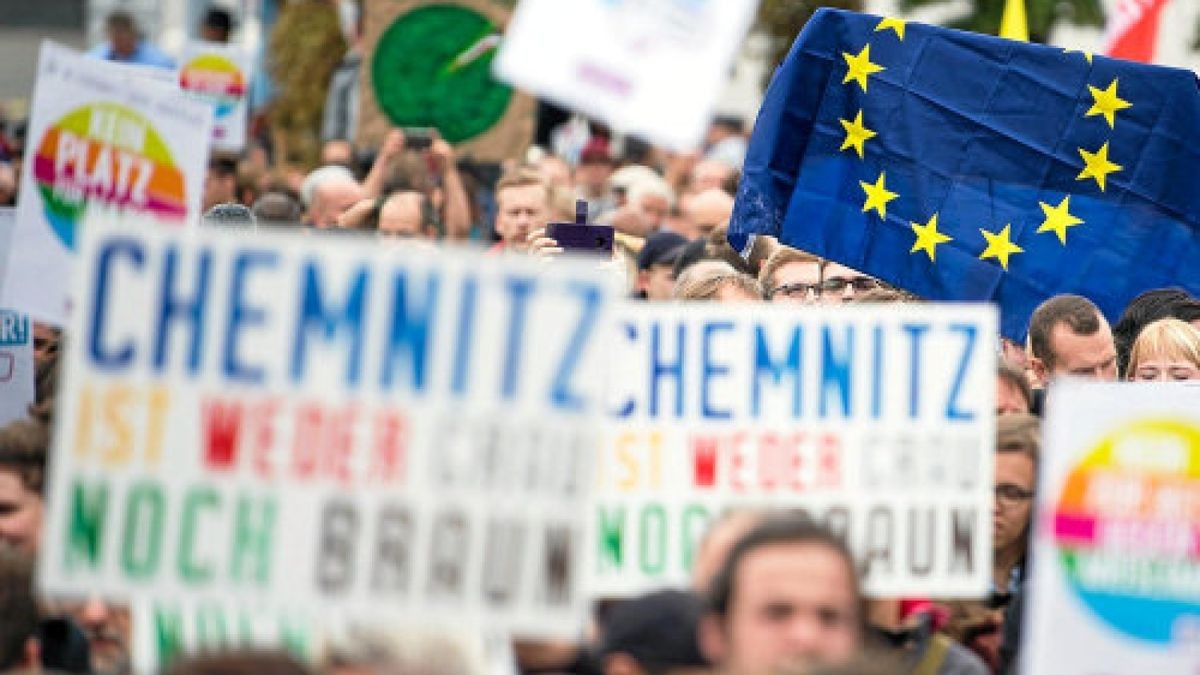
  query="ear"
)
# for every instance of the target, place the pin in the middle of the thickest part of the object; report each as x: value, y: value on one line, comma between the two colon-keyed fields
x: 714, y: 644
x: 1040, y: 372
x: 643, y: 279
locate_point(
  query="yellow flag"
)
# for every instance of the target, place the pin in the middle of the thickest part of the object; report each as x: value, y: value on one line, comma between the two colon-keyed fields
x: 1013, y: 24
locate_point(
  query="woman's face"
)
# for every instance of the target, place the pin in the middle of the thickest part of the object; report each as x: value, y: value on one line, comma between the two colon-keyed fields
x: 1164, y: 369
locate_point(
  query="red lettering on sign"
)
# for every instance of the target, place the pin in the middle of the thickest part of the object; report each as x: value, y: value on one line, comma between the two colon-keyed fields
x: 221, y: 422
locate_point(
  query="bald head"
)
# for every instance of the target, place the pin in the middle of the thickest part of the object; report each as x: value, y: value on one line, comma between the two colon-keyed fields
x: 330, y: 199
x: 401, y: 215
x: 709, y: 210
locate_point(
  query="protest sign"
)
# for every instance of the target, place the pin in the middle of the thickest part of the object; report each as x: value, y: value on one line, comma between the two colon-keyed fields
x: 99, y: 139
x: 427, y: 63
x: 284, y: 420
x: 876, y: 420
x: 16, y: 366
x: 654, y: 68
x: 219, y: 75
x: 1116, y: 565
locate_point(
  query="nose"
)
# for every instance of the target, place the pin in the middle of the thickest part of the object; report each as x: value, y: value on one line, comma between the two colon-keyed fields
x: 804, y: 636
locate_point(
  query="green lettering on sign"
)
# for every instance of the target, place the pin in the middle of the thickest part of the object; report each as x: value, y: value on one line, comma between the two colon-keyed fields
x: 611, y: 528
x: 690, y: 540
x: 652, y: 539
x: 190, y: 570
x: 89, y: 506
x: 168, y: 635
x: 253, y: 533
x: 145, y: 512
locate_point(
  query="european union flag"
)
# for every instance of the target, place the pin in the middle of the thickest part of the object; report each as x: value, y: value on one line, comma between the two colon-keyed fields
x: 966, y: 167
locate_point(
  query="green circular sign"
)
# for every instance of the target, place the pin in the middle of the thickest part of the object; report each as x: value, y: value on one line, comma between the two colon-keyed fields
x: 433, y: 68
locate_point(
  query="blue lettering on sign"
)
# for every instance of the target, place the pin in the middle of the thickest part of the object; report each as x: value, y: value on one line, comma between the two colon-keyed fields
x: 315, y: 312
x: 765, y: 366
x: 519, y: 290
x: 102, y: 353
x: 561, y: 395
x: 462, y: 340
x: 969, y: 333
x: 175, y: 307
x: 659, y: 369
x: 243, y: 316
x: 915, y: 332
x: 14, y: 329
x: 710, y: 370
x: 412, y: 322
x: 877, y: 373
x: 836, y: 371
x: 627, y: 408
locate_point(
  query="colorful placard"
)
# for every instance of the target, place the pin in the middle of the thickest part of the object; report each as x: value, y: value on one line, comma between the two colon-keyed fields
x: 99, y: 140
x: 1116, y: 554
x: 285, y: 420
x: 878, y: 420
x: 220, y: 76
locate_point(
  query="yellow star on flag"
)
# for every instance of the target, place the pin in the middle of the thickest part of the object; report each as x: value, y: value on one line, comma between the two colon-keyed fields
x: 1058, y: 219
x: 1086, y: 54
x: 1096, y: 165
x: 1106, y: 102
x: 856, y: 134
x: 860, y: 67
x: 928, y: 238
x: 897, y: 25
x: 877, y: 196
x: 999, y: 246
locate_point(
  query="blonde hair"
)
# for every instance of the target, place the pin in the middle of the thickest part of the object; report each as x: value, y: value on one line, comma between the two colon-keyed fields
x: 1170, y: 338
x: 523, y: 177
x: 706, y: 283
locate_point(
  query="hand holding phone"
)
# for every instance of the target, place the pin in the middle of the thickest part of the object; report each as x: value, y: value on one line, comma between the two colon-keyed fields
x: 581, y: 237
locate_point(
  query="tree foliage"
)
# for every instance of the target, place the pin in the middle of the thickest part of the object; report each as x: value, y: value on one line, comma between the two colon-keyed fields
x: 781, y: 21
x: 984, y: 15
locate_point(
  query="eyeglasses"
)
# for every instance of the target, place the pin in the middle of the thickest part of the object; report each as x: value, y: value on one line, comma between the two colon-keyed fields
x: 836, y: 284
x: 797, y: 290
x: 1007, y: 493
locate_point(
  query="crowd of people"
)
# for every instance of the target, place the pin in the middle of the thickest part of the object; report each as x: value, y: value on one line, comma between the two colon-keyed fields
x: 772, y: 592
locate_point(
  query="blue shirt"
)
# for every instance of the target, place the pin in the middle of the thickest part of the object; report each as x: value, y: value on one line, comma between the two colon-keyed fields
x: 146, y: 54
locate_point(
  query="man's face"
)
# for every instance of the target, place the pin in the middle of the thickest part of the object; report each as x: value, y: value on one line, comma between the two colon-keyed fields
x: 593, y: 175
x: 794, y: 605
x: 218, y: 189
x: 710, y: 174
x: 520, y: 210
x: 654, y: 210
x: 123, y: 40
x: 796, y: 282
x: 1088, y: 356
x: 109, y: 632
x: 330, y: 201
x: 841, y: 284
x: 658, y: 282
x: 1015, y: 476
x: 20, y: 513
x: 401, y: 216
x: 1009, y: 398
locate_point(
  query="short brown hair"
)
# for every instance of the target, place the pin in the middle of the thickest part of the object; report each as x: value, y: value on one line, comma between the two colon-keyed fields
x: 1019, y: 432
x: 784, y: 255
x: 1076, y: 311
x: 885, y: 295
x: 1014, y: 376
x: 23, y: 447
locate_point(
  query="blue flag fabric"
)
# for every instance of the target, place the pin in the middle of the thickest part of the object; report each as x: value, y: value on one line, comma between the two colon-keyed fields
x: 966, y: 167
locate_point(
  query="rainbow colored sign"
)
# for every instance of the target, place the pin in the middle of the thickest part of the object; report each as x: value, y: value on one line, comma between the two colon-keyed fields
x: 219, y: 76
x: 1127, y: 526
x: 1116, y: 559
x: 107, y: 142
x: 107, y: 153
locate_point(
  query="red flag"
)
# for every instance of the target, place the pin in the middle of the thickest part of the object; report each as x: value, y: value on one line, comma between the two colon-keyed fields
x: 1133, y: 29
